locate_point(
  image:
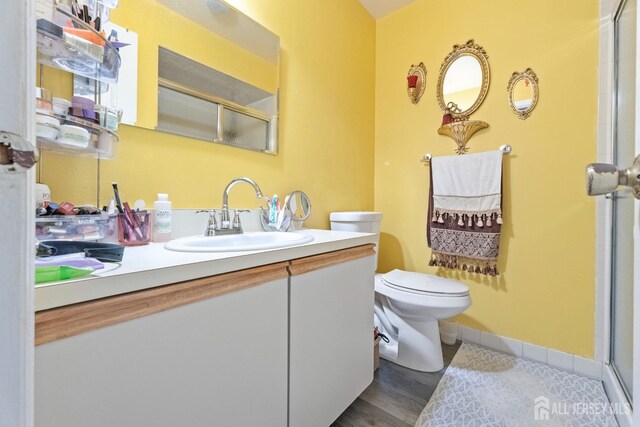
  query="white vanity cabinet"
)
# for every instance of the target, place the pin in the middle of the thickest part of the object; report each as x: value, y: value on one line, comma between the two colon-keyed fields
x: 208, y: 352
x: 331, y: 334
x: 285, y: 344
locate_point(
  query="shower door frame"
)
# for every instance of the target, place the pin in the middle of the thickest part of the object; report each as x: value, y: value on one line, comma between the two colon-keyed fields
x: 609, y: 11
x: 17, y: 210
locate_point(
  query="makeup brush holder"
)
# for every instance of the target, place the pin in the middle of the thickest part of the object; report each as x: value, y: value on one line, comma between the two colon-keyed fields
x: 268, y: 225
x: 134, y: 229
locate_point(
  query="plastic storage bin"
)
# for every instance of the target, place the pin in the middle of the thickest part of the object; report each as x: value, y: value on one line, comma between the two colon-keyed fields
x: 75, y: 227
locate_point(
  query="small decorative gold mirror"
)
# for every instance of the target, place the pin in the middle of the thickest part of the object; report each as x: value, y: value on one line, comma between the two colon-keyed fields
x: 463, y: 80
x: 523, y: 93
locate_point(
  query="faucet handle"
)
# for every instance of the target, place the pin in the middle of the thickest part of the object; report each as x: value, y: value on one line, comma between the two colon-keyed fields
x: 211, y: 212
x: 212, y: 225
x: 236, y: 218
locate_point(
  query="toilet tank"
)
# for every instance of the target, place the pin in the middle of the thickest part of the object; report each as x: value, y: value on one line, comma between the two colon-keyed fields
x: 363, y: 222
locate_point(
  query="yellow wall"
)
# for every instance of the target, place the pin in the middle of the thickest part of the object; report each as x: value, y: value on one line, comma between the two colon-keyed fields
x: 326, y: 124
x: 546, y: 292
x: 334, y: 58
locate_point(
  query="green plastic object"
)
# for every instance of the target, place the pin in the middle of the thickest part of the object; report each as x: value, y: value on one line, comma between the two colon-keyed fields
x: 60, y: 272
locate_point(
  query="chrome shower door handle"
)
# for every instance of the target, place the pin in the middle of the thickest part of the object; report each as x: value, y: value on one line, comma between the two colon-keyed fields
x: 603, y: 178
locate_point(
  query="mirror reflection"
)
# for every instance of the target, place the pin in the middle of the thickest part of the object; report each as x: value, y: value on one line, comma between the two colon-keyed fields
x: 463, y: 82
x: 523, y: 93
x: 298, y: 203
x: 208, y: 58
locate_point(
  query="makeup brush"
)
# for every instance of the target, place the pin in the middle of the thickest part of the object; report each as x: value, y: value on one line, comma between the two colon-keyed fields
x: 117, y: 195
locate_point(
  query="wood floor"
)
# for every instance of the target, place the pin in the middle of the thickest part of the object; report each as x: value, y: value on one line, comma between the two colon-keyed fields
x: 396, y: 397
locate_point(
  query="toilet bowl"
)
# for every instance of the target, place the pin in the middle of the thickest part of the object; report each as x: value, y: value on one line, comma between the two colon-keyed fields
x: 408, y: 305
x: 407, y: 308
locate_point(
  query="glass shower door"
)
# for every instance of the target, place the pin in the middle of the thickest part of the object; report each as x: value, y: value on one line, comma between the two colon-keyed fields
x: 624, y: 246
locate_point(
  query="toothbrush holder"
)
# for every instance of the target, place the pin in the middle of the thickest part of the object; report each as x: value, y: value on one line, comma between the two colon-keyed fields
x: 268, y: 226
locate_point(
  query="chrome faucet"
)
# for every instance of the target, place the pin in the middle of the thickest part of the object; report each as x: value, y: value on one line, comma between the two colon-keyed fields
x: 226, y: 226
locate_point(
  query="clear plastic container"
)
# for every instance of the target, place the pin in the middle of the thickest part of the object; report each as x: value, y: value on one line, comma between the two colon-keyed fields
x: 75, y: 227
x: 283, y: 225
x: 43, y: 100
x: 134, y: 229
x: 101, y: 142
x: 106, y: 146
x: 112, y: 4
x: 77, y: 48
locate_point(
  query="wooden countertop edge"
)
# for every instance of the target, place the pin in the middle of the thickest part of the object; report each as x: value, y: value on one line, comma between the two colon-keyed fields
x: 67, y: 321
x: 315, y: 262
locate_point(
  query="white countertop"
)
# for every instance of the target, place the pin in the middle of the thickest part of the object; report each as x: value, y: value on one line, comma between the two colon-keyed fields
x: 152, y: 265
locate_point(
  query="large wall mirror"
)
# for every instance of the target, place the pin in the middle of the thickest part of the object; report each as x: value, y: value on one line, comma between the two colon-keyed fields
x: 463, y: 80
x: 205, y: 71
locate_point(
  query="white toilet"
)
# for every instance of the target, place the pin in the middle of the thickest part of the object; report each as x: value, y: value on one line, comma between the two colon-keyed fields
x: 408, y: 305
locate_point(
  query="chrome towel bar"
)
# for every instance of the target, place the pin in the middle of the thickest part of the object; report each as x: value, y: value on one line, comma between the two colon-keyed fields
x: 505, y: 148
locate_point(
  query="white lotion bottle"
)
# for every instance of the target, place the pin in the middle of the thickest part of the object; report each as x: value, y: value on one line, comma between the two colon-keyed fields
x: 162, y: 218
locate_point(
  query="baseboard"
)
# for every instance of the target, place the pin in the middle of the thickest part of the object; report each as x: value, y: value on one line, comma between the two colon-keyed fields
x: 558, y: 359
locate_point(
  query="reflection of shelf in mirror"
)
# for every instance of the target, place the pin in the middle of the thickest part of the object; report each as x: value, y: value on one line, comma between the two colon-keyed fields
x: 77, y: 54
x: 101, y: 144
x: 45, y: 144
x: 87, y: 87
x: 462, y: 131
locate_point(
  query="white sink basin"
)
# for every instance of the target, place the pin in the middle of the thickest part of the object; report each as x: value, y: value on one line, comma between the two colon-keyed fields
x: 251, y: 241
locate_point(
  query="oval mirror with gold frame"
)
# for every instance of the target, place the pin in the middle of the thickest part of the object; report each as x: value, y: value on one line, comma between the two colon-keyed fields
x: 523, y: 93
x: 463, y: 81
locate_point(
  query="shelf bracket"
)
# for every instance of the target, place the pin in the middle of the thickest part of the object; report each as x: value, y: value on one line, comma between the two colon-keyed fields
x: 461, y: 132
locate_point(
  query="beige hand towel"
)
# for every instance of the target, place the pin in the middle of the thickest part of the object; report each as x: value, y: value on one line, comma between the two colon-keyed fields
x: 465, y: 216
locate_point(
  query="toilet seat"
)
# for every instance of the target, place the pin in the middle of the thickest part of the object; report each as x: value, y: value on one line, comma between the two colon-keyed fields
x: 424, y: 284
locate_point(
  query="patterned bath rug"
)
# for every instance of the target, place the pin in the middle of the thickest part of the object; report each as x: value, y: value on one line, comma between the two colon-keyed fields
x: 482, y: 387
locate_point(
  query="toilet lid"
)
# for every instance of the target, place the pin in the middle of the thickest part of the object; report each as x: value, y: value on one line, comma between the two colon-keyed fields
x: 425, y: 283
x: 356, y: 216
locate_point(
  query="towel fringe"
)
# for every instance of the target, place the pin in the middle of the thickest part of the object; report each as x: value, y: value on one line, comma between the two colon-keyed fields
x: 443, y: 211
x: 480, y: 219
x: 487, y: 267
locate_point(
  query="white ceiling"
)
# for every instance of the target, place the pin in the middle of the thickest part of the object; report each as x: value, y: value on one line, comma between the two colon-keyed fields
x: 380, y: 8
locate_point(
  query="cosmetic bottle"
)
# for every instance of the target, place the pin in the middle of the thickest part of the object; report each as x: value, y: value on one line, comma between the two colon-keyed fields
x: 42, y: 195
x: 162, y: 218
